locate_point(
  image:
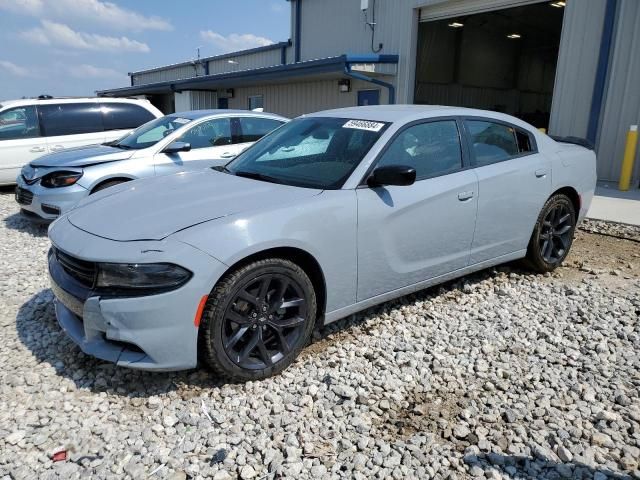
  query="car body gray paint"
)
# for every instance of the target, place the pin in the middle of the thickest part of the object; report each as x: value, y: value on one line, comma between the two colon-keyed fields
x: 323, y: 224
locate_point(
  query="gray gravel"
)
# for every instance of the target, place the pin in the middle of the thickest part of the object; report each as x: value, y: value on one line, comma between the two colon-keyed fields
x: 501, y: 375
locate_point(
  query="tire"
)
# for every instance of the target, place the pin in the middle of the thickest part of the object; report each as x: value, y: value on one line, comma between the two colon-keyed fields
x: 556, y: 224
x: 243, y: 334
x: 107, y: 184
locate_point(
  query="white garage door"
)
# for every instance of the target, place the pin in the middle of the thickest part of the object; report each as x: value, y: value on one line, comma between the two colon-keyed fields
x: 456, y: 8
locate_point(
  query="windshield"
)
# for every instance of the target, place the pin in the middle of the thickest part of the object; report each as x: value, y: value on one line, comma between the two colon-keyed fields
x: 151, y: 133
x: 316, y: 152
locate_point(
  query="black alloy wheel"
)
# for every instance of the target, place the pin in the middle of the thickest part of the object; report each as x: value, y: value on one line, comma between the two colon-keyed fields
x: 555, y: 237
x: 257, y: 320
x: 553, y: 234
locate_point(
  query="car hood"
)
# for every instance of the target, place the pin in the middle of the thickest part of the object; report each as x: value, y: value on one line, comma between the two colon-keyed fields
x: 83, y: 156
x: 154, y: 208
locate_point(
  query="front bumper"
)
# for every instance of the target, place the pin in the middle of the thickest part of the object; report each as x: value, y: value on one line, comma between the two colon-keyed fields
x: 154, y: 332
x: 47, y: 203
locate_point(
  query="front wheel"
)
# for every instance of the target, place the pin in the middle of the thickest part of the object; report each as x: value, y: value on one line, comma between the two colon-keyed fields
x: 257, y: 320
x: 553, y: 234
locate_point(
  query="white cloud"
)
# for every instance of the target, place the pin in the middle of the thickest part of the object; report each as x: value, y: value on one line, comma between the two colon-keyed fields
x: 61, y: 35
x: 234, y: 41
x: 13, y: 69
x: 91, y: 71
x: 87, y: 11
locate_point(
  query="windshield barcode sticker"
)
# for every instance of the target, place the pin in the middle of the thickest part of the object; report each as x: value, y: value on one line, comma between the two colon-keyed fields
x: 181, y: 121
x: 364, y: 125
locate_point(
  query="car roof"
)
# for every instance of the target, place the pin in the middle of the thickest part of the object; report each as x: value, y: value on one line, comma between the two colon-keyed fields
x: 55, y: 100
x: 409, y: 113
x: 196, y: 114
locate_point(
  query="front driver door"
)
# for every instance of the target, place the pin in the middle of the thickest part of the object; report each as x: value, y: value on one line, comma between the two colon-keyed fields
x: 408, y: 234
x: 211, y: 143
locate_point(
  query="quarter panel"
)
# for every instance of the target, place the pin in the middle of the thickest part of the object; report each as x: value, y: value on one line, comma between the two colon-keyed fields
x: 323, y: 225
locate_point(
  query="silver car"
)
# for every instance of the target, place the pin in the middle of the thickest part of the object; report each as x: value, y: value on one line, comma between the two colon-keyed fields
x: 330, y: 214
x: 55, y: 183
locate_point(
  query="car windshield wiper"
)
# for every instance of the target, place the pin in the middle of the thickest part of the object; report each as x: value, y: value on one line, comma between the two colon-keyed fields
x: 221, y: 168
x: 258, y: 176
x: 119, y: 145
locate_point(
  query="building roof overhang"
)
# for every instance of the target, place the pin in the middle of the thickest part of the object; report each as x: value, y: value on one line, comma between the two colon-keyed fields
x: 273, y: 74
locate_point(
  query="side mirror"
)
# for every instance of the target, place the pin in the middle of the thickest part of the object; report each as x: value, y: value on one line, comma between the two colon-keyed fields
x: 398, y: 175
x: 176, y: 147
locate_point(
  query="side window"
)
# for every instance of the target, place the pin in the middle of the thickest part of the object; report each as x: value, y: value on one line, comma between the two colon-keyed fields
x: 431, y: 148
x: 492, y: 142
x: 70, y: 119
x: 212, y: 133
x: 124, y: 116
x: 255, y: 102
x: 524, y: 142
x: 19, y: 122
x: 254, y: 129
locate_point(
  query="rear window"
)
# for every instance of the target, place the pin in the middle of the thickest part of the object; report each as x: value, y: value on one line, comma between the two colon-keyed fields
x: 70, y: 119
x: 124, y: 116
x: 253, y: 129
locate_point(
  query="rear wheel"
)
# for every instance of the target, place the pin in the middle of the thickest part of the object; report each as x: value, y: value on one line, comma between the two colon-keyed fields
x: 257, y: 320
x: 553, y: 234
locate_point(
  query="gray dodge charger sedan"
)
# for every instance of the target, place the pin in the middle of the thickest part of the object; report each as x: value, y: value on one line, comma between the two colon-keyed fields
x: 329, y: 214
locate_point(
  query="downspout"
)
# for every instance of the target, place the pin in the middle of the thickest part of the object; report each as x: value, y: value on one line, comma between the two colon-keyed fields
x: 298, y: 30
x: 602, y: 70
x: 283, y: 55
x: 389, y: 86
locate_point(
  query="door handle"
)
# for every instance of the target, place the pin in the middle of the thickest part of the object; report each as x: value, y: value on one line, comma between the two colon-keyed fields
x: 57, y: 148
x: 37, y: 149
x: 541, y: 173
x: 227, y: 155
x: 463, y: 196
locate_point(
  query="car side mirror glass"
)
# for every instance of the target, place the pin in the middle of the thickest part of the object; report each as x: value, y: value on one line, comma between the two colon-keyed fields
x: 399, y: 175
x: 176, y: 147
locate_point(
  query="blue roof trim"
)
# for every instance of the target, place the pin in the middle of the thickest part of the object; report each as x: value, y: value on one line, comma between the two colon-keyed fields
x: 245, y: 77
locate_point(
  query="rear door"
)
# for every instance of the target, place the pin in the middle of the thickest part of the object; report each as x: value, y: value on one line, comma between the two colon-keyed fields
x: 211, y: 145
x: 408, y: 234
x: 20, y: 141
x: 69, y: 125
x: 514, y: 183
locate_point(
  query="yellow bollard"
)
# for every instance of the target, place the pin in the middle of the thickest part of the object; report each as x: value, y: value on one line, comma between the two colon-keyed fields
x: 629, y: 157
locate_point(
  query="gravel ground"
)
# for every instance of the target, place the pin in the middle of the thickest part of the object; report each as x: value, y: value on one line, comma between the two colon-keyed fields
x: 503, y: 374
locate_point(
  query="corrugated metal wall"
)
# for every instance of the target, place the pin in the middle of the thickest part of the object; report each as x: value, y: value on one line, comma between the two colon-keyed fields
x: 293, y: 99
x: 203, y: 100
x: 266, y: 58
x: 622, y: 94
x: 576, y: 70
x: 164, y: 75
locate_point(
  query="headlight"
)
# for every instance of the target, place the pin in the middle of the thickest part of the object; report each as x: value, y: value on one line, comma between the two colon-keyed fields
x: 60, y: 179
x: 141, y: 276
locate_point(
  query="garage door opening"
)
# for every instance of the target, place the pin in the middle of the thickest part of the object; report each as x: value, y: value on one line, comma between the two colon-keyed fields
x: 503, y: 60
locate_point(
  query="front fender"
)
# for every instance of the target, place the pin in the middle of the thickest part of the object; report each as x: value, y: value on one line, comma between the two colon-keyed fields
x: 324, y: 226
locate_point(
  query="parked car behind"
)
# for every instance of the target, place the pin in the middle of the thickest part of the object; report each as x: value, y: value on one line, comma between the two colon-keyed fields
x: 53, y: 184
x: 235, y: 267
x: 30, y: 128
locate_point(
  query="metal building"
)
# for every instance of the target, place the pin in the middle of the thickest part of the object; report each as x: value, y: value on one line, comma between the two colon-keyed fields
x: 572, y: 67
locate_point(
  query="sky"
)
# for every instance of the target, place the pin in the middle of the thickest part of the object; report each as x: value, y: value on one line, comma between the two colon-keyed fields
x: 75, y: 47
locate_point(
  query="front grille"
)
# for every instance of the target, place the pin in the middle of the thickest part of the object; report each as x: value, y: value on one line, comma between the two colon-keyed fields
x: 23, y: 197
x: 83, y: 271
